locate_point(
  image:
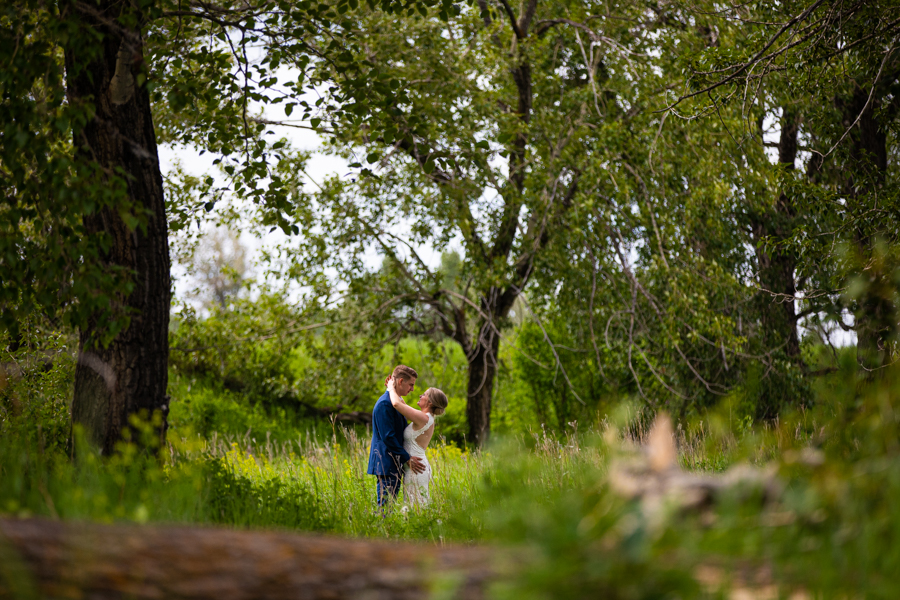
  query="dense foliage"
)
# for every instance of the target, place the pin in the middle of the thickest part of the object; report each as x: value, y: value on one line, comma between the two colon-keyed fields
x: 616, y: 164
x: 639, y: 207
x: 690, y: 244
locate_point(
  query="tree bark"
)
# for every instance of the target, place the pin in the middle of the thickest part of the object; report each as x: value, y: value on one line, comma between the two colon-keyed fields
x: 129, y: 376
x: 51, y: 559
x: 777, y: 267
x: 482, y: 371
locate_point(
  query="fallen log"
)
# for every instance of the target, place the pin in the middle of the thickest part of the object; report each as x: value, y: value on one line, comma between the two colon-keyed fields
x: 52, y: 559
x: 656, y: 480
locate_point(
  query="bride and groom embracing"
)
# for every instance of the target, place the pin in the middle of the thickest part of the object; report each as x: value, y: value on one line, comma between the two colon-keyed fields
x: 398, y: 450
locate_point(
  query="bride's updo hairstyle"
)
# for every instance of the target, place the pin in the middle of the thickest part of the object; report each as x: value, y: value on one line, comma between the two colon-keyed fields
x: 438, y: 400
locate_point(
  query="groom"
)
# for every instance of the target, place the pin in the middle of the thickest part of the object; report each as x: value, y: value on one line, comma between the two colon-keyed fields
x: 387, y: 456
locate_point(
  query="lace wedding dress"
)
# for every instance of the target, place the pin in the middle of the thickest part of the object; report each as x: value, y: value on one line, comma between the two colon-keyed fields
x: 415, y: 485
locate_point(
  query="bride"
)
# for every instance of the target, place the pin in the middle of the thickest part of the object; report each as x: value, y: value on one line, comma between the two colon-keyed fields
x: 416, y: 437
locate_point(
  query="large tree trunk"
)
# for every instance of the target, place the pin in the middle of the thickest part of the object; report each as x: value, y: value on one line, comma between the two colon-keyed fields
x: 482, y: 371
x: 50, y: 559
x: 129, y: 376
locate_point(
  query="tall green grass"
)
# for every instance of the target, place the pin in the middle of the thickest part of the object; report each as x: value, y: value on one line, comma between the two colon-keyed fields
x: 833, y: 532
x: 541, y: 499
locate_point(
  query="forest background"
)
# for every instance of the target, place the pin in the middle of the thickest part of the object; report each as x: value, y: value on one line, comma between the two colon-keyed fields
x: 569, y: 216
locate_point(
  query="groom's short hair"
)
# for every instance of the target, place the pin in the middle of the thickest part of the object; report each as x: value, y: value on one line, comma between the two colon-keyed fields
x: 404, y: 372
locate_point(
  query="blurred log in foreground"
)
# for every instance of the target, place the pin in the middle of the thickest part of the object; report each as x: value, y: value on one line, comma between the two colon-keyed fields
x: 52, y: 559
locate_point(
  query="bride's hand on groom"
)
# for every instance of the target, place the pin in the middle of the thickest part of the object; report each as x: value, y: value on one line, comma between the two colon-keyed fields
x: 416, y: 464
x: 395, y: 397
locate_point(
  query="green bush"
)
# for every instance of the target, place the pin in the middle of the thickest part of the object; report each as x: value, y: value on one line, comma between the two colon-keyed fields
x: 562, y: 392
x: 236, y: 499
x: 37, y: 372
x: 131, y: 485
x: 200, y: 406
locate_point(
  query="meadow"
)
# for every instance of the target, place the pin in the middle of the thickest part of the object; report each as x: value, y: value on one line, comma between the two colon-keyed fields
x: 831, y: 530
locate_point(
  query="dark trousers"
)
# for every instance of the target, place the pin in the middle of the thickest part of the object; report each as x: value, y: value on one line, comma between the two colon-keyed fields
x: 388, y: 488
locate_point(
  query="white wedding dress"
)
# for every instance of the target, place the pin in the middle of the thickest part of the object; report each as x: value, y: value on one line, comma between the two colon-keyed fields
x: 415, y: 485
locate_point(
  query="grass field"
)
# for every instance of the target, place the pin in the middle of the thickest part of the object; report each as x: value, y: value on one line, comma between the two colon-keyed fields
x: 831, y: 531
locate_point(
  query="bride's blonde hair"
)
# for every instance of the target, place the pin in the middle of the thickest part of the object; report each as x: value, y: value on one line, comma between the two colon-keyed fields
x: 438, y: 401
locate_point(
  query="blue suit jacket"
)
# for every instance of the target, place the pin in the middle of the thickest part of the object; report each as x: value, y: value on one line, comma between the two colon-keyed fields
x: 387, y: 455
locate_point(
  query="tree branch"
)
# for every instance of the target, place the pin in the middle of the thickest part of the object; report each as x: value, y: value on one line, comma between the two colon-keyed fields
x: 512, y: 20
x: 543, y: 26
x: 527, y: 16
x: 749, y: 63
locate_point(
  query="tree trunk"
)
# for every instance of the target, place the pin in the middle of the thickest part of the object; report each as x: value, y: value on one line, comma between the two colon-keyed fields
x: 482, y: 371
x: 50, y: 559
x: 129, y: 376
x: 875, y: 315
x: 776, y: 267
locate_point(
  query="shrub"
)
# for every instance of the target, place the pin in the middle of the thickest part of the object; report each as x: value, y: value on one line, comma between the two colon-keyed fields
x: 245, y: 494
